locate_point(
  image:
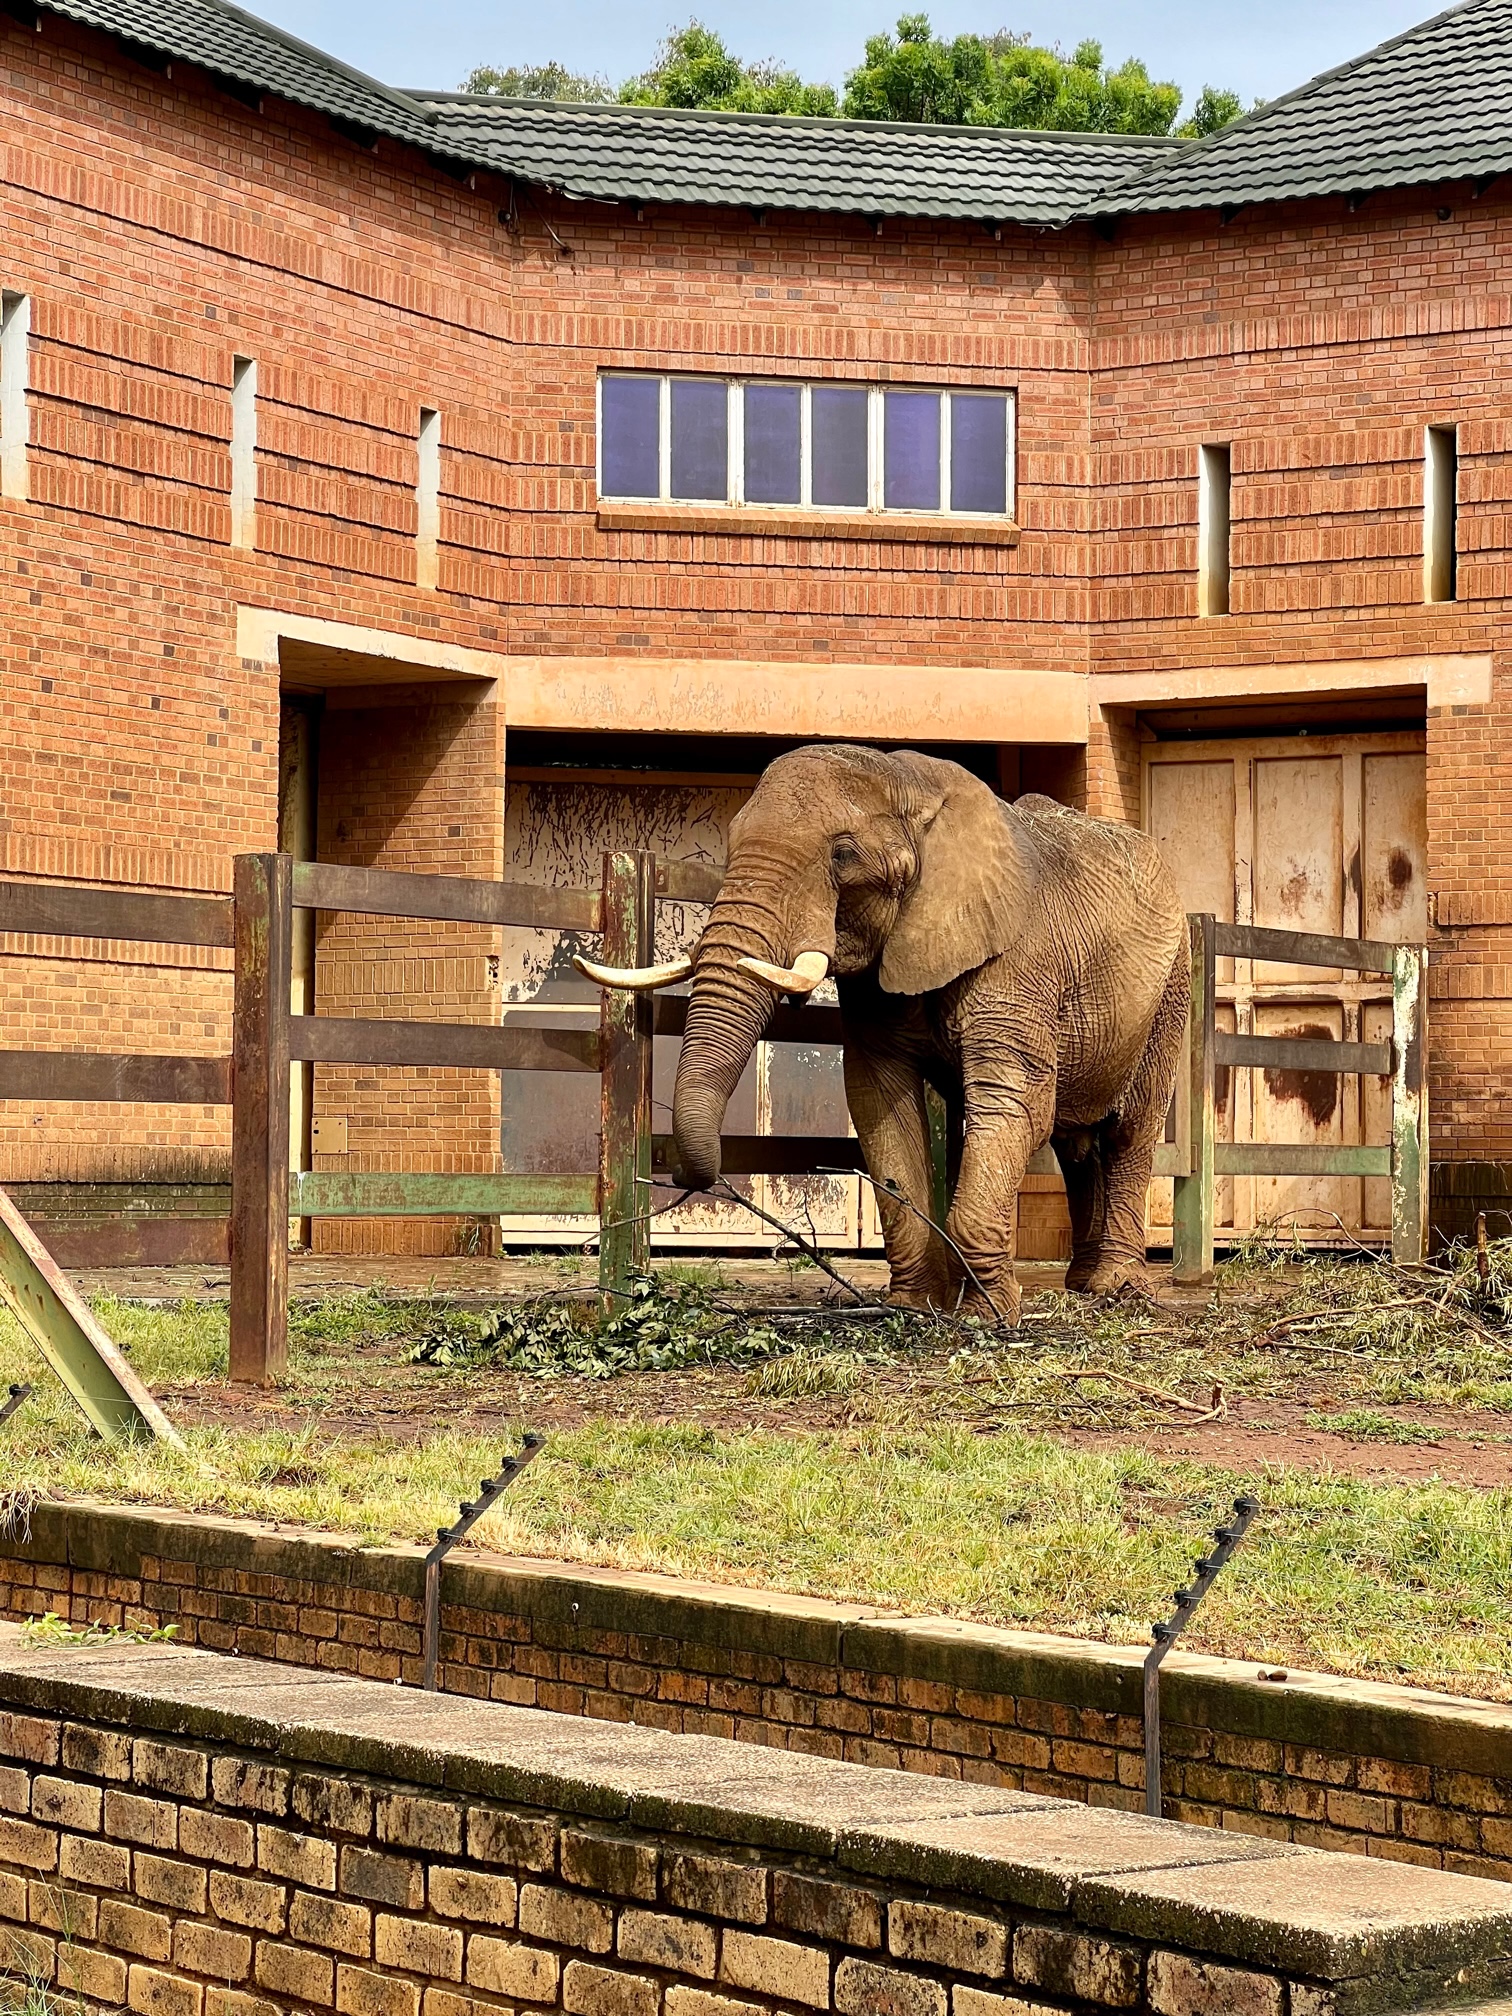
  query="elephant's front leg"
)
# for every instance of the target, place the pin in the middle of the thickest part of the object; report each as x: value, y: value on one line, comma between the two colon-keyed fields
x: 885, y: 1090
x: 1005, y: 1123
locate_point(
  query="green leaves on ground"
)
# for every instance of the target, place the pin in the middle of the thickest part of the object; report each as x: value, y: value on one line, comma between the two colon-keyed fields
x: 910, y: 75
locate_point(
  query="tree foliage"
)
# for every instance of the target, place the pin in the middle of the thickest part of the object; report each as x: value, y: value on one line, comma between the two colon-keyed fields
x: 693, y: 67
x: 1004, y: 80
x: 911, y: 75
x: 542, y: 80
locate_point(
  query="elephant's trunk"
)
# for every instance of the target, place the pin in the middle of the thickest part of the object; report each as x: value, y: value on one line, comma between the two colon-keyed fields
x: 727, y: 1012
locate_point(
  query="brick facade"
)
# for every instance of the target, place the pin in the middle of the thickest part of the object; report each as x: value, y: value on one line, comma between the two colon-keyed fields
x: 1393, y: 1773
x: 162, y: 229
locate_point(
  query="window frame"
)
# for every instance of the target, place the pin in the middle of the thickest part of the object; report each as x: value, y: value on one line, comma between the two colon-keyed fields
x: 735, y: 497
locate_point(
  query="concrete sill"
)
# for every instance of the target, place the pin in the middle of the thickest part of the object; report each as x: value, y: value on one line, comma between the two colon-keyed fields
x: 737, y: 521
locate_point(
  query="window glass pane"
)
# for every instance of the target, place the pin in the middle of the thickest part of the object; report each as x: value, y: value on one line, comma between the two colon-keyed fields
x: 772, y: 445
x: 911, y: 451
x: 837, y: 420
x: 978, y: 452
x: 630, y: 451
x: 700, y: 418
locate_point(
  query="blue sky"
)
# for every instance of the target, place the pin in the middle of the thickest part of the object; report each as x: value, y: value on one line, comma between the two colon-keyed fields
x: 1258, y: 47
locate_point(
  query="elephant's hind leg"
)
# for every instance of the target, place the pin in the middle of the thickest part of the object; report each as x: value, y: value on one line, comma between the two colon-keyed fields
x: 1079, y: 1150
x: 1127, y: 1144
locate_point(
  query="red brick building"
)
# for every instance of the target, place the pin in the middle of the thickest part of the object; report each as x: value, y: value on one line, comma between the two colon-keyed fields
x: 467, y: 485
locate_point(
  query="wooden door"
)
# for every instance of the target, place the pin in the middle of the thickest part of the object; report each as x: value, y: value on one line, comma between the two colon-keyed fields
x: 1306, y: 833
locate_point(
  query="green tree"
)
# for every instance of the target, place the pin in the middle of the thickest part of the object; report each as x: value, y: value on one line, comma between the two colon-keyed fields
x: 912, y: 75
x: 1213, y: 109
x: 693, y: 67
x: 544, y: 80
x: 1005, y: 80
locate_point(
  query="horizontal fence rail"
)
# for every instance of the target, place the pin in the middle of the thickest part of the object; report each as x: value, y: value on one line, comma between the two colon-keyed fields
x: 448, y: 899
x: 479, y: 1046
x: 80, y: 1076
x: 1201, y: 1158
x: 388, y: 1194
x: 84, y: 910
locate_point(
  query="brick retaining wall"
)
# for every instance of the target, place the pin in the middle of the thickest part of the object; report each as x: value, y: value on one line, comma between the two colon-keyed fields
x: 1391, y: 1772
x: 189, y: 1836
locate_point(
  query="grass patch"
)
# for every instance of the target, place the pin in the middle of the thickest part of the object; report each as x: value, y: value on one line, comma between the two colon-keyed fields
x: 939, y: 1483
x: 1363, y: 1424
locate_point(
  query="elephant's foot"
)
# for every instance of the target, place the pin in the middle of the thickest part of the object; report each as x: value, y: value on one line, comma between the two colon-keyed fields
x: 1113, y: 1277
x: 934, y: 1298
x: 1079, y: 1274
x: 1002, y: 1308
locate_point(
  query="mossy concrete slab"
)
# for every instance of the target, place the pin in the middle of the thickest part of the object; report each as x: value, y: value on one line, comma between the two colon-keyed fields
x: 1041, y: 1854
x: 1335, y: 1917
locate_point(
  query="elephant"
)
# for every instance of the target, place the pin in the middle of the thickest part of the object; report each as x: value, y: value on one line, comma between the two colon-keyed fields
x: 1028, y: 962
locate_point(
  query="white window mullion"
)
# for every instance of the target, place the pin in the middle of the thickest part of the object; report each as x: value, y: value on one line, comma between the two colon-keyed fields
x: 874, y: 448
x: 945, y: 425
x: 806, y: 447
x: 1010, y: 483
x: 735, y: 443
x: 664, y: 451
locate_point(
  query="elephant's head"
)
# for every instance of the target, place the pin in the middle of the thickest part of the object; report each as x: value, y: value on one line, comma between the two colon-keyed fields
x: 843, y: 859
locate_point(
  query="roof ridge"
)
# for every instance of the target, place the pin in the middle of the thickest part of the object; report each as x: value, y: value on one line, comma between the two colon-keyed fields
x: 1261, y: 113
x: 589, y: 106
x: 401, y: 99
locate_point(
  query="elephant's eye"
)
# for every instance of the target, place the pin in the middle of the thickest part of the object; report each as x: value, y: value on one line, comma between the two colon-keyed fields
x: 843, y: 854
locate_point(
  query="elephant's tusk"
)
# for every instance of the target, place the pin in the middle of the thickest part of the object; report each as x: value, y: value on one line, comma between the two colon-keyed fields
x: 802, y: 977
x: 636, y: 978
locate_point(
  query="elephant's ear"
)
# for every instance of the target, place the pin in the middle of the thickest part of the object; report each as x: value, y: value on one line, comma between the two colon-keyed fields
x: 972, y: 896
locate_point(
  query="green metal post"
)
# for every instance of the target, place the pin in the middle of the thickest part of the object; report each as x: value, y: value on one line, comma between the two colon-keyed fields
x: 1409, y: 1104
x: 1192, y: 1214
x: 625, y: 1081
x: 939, y: 1155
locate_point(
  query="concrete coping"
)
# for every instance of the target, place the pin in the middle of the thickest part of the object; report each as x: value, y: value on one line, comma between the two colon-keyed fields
x: 1334, y: 1918
x: 568, y: 1601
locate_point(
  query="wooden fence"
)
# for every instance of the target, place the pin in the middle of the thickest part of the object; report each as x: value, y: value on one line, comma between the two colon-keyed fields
x: 1201, y: 1158
x: 256, y: 922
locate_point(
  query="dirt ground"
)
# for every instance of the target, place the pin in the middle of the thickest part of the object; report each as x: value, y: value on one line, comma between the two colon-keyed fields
x: 369, y: 1389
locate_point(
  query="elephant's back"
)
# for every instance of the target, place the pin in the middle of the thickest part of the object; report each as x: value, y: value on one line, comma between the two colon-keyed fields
x: 1107, y: 871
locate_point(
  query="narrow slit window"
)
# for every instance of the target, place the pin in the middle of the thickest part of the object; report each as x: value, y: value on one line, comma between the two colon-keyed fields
x: 1213, y: 487
x: 15, y: 343
x: 1440, y: 508
x: 244, y: 451
x: 428, y: 500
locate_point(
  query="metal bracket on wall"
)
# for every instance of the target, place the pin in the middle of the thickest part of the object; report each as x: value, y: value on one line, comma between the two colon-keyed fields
x: 1165, y: 1636
x: 489, y: 1491
x: 13, y: 1400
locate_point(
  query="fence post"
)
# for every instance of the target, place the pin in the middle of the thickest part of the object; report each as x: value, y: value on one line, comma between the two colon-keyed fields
x: 625, y: 1083
x: 1409, y: 1104
x: 1192, y: 1210
x: 264, y: 896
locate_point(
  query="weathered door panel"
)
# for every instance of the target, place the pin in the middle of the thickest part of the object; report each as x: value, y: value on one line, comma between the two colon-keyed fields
x: 1312, y: 1107
x: 1394, y: 849
x: 1297, y: 860
x: 1323, y: 833
x: 1375, y: 1130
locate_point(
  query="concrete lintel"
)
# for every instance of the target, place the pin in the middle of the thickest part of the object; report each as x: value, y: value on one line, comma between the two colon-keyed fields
x: 1450, y: 679
x: 755, y: 696
x: 326, y: 653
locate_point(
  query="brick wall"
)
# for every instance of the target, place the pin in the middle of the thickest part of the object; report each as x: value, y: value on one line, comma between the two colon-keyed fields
x: 182, y: 1836
x: 162, y: 229
x: 1389, y: 1772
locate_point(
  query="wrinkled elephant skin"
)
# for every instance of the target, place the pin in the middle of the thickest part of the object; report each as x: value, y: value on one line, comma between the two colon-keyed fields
x: 1026, y: 961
